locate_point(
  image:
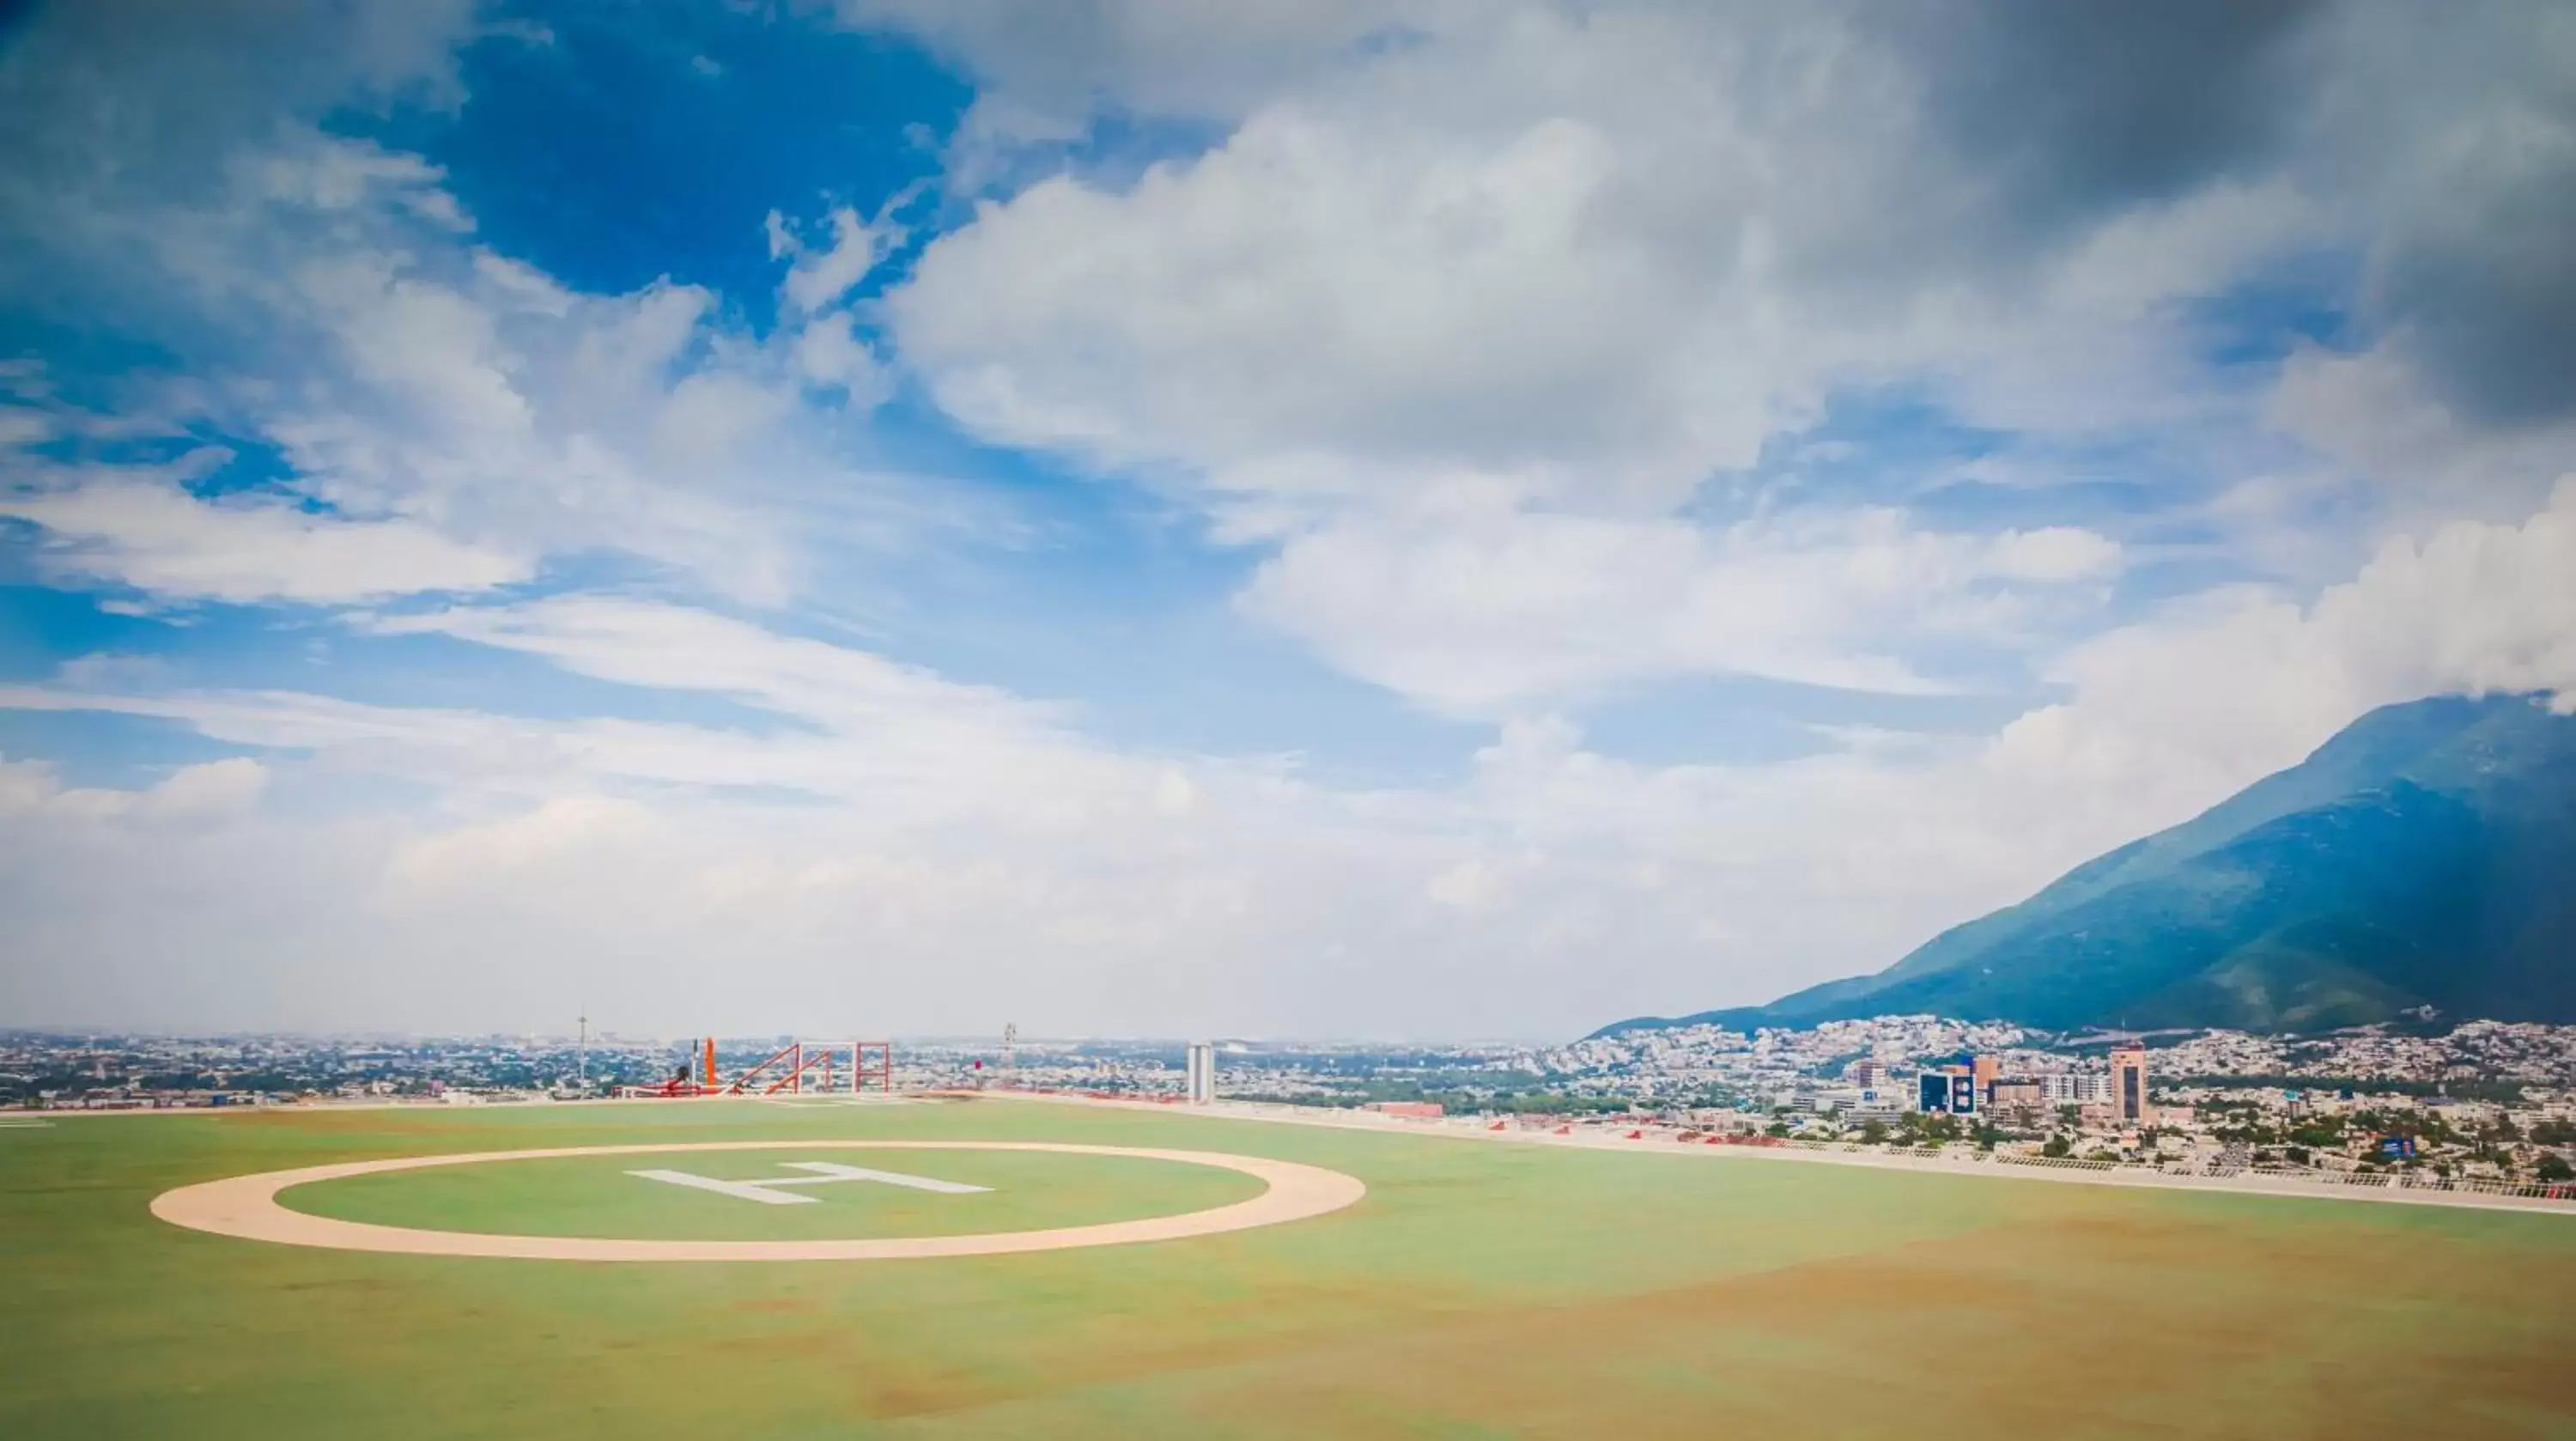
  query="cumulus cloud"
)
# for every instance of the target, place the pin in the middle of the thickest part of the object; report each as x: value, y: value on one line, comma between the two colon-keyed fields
x: 1584, y: 262
x: 828, y: 354
x: 1767, y: 149
x: 478, y: 395
x: 1598, y: 257
x: 1522, y: 609
x: 1325, y: 305
x: 2470, y: 606
x: 465, y: 405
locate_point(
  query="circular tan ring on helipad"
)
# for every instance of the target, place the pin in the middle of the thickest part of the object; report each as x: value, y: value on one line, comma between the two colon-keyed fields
x: 246, y: 1206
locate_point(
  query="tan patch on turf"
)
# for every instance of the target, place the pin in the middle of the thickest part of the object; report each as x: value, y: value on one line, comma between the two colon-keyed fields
x: 2069, y: 1326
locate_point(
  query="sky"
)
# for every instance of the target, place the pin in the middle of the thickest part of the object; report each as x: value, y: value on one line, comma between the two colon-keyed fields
x: 1421, y: 519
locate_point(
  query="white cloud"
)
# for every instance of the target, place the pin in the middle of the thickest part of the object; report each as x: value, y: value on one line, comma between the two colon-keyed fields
x: 519, y: 845
x: 669, y: 647
x: 913, y: 747
x: 959, y: 855
x: 829, y: 354
x: 340, y: 310
x: 1575, y: 265
x: 2470, y: 606
x: 1043, y: 70
x: 213, y: 790
x: 1486, y: 617
x: 818, y: 278
x: 1582, y: 260
x: 349, y: 176
x: 1935, y: 191
x: 2374, y: 414
x: 1318, y: 306
x: 1592, y: 257
x: 136, y: 530
x: 24, y: 425
x: 191, y: 795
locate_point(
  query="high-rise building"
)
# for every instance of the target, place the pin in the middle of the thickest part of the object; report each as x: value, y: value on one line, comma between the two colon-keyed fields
x: 1963, y: 1090
x: 1949, y: 1088
x: 1985, y: 1069
x: 1202, y: 1073
x: 2129, y: 1084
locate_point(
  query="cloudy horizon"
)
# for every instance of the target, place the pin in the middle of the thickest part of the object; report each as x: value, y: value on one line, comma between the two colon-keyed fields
x: 1384, y: 518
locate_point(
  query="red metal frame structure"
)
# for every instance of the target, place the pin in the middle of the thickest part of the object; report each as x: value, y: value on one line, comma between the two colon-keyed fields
x: 791, y: 1079
x: 862, y: 1063
x: 788, y: 1069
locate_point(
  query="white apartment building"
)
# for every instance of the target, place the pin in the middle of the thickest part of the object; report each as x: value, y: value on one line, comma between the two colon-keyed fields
x: 2075, y: 1088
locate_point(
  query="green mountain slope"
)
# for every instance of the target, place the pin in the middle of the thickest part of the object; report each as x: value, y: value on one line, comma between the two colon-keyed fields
x: 2426, y: 855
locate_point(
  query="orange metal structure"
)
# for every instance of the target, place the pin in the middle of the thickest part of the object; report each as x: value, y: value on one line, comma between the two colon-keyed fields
x: 787, y: 1070
x: 881, y: 1063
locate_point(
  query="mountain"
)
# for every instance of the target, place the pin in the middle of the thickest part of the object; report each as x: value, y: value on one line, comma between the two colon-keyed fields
x: 2425, y: 856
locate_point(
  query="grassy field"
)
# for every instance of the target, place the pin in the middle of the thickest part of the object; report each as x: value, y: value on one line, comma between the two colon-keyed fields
x: 1479, y: 1290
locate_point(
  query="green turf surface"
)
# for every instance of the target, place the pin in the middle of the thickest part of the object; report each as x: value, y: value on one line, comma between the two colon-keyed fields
x: 596, y: 1195
x: 1479, y: 1290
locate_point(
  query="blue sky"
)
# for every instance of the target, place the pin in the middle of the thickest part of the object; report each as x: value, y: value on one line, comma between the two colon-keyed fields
x: 1394, y: 519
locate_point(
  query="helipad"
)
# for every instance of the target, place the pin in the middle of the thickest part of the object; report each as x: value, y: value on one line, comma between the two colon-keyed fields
x: 248, y: 1207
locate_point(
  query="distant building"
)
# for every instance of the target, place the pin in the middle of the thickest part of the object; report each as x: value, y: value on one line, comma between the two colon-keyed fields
x: 2019, y: 1091
x: 2073, y: 1088
x: 1986, y: 1070
x: 1410, y: 1110
x: 1202, y: 1073
x: 2129, y: 1084
x: 1951, y: 1089
x: 1963, y: 1089
x: 1865, y: 1074
x: 1833, y: 1099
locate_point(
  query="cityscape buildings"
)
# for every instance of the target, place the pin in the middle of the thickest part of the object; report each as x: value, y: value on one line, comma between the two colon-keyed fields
x: 2480, y: 1100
